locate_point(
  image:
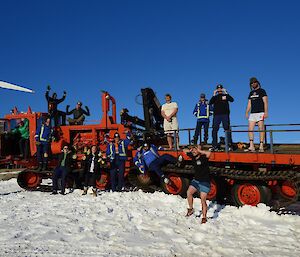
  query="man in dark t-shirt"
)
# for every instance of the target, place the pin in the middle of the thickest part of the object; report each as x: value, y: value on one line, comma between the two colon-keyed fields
x: 258, y: 108
x: 220, y: 102
x: 201, y: 181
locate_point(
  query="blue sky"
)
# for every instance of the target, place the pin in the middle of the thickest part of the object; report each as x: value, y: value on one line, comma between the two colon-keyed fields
x: 174, y: 46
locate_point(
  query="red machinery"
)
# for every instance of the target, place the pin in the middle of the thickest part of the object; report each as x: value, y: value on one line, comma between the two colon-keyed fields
x: 272, y: 177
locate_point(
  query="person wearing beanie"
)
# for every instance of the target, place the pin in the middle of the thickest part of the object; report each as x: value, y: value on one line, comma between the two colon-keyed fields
x: 258, y: 108
x: 202, y: 112
x: 78, y: 114
x: 220, y: 102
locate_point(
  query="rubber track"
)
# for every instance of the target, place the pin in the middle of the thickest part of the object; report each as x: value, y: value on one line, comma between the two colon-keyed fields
x: 292, y: 176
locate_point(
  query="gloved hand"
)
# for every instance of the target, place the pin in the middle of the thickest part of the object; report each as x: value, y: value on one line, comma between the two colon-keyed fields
x: 141, y: 169
x: 65, y: 92
x: 48, y: 88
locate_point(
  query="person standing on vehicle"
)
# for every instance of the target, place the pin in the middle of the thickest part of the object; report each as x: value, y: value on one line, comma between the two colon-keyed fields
x: 169, y: 112
x: 91, y: 169
x: 78, y: 114
x: 258, y: 108
x: 201, y: 181
x: 220, y: 102
x: 62, y: 170
x: 148, y: 158
x: 23, y: 130
x: 116, y: 153
x: 43, y: 137
x: 52, y: 106
x: 202, y: 112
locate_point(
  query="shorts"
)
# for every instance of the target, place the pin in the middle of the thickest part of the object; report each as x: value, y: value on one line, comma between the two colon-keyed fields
x: 171, y: 125
x: 201, y: 186
x: 260, y: 116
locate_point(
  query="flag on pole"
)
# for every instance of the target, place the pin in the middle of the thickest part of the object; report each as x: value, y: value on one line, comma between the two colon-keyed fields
x: 7, y: 85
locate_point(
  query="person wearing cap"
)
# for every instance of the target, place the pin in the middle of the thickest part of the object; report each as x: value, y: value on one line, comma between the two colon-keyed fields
x: 147, y: 158
x: 91, y: 170
x: 62, y: 170
x: 43, y: 137
x: 220, y: 102
x: 169, y: 112
x: 116, y: 153
x: 258, y: 108
x: 52, y: 106
x: 78, y: 114
x: 202, y: 112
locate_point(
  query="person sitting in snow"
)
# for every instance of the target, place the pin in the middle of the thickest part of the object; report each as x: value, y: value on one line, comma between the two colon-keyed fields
x: 148, y: 158
x: 201, y: 181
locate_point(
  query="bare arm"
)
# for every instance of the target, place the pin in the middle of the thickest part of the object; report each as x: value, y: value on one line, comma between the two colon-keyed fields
x: 163, y: 114
x: 173, y: 113
x: 206, y: 153
x: 248, y: 109
x: 265, y: 99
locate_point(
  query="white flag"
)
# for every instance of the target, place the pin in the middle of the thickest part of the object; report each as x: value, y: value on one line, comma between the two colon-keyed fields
x: 7, y: 85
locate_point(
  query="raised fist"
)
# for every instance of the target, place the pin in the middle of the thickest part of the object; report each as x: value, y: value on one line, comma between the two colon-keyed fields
x: 48, y: 87
x: 65, y: 92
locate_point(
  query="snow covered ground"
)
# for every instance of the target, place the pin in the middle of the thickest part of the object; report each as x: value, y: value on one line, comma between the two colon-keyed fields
x: 136, y: 224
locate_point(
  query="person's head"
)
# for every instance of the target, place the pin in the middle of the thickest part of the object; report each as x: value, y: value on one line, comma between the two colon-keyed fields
x: 94, y: 149
x: 254, y: 83
x: 78, y: 105
x: 65, y: 148
x: 146, y: 146
x: 168, y: 98
x: 117, y: 137
x: 219, y: 88
x: 21, y: 123
x: 47, y: 121
x: 195, y: 151
x: 54, y: 96
x: 202, y: 97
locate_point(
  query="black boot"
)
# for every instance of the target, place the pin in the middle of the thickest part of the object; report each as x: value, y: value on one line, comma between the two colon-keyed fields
x: 194, y: 141
x: 40, y: 167
x: 45, y: 166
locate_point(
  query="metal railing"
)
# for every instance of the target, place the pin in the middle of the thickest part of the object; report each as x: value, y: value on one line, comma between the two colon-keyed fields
x: 266, y: 130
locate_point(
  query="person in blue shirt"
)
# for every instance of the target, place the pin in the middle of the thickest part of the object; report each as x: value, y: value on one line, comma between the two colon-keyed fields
x: 116, y: 152
x: 148, y: 158
x: 42, y: 138
x: 202, y: 112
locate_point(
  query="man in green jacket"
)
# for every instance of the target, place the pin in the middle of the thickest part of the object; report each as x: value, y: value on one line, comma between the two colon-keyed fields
x: 23, y: 131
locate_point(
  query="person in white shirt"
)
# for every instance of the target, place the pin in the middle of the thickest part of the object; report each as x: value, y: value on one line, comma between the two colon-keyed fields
x: 92, y: 171
x: 169, y: 112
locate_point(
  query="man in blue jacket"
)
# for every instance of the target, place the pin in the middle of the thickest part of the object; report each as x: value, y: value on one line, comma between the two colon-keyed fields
x: 148, y: 158
x: 116, y: 152
x: 202, y: 112
x: 42, y: 139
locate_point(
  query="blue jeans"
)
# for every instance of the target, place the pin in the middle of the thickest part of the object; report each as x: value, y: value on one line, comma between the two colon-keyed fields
x: 159, y: 162
x: 117, y: 169
x: 224, y: 118
x: 59, y: 172
x: 199, y: 125
x: 41, y: 150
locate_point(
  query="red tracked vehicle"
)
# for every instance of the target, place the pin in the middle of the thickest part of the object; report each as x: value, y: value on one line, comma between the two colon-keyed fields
x: 245, y: 178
